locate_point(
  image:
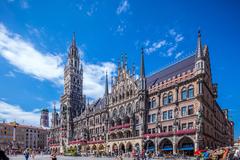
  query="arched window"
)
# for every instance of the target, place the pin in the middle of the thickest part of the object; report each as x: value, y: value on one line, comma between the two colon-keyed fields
x: 115, y: 112
x: 170, y: 97
x: 154, y: 103
x: 184, y: 94
x: 137, y: 106
x: 122, y: 111
x: 129, y: 109
x: 190, y: 91
x: 136, y: 120
x: 165, y: 99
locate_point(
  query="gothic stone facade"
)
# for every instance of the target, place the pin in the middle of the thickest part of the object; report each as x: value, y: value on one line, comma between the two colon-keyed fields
x: 173, y: 110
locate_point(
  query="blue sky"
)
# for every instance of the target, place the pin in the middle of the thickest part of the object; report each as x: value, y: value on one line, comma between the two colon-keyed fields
x: 35, y: 36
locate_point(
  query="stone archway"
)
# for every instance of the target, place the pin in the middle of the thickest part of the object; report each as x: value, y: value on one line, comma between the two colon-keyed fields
x: 120, y: 134
x: 149, y: 146
x: 186, y: 146
x: 115, y: 149
x: 137, y: 148
x: 166, y: 146
x: 129, y: 147
x: 121, y: 148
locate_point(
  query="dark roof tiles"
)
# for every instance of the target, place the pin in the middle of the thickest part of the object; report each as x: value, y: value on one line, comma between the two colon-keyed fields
x: 171, y: 71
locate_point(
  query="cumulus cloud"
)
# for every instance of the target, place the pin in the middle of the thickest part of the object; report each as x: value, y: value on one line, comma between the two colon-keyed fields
x: 24, y: 56
x: 123, y: 7
x: 11, y: 112
x: 45, y: 66
x: 94, y: 77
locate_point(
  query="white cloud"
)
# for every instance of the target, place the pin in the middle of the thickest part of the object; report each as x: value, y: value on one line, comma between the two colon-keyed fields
x: 150, y: 48
x: 172, y: 32
x: 24, y: 4
x: 23, y: 55
x: 94, y: 78
x: 179, y: 38
x: 11, y: 112
x: 123, y: 7
x: 46, y: 66
x: 171, y: 50
x: 178, y: 54
x: 10, y: 74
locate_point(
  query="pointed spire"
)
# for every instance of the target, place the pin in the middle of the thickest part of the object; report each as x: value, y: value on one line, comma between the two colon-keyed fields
x: 54, y: 107
x: 125, y: 61
x: 199, y: 53
x: 142, y: 71
x: 106, y: 85
x: 133, y: 69
x: 74, y: 40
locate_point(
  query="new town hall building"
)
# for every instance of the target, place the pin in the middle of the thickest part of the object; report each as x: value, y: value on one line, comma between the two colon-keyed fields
x: 174, y: 110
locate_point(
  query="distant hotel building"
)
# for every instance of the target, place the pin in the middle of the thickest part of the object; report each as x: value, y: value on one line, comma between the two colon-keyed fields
x: 44, y: 120
x: 172, y: 111
x: 17, y: 137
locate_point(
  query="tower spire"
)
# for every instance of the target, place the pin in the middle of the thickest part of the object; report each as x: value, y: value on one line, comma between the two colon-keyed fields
x: 74, y: 40
x: 199, y: 53
x: 54, y: 107
x: 142, y: 71
x: 106, y: 85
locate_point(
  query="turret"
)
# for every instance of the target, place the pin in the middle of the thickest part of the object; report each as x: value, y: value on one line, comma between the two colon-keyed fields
x: 106, y: 85
x: 142, y: 72
x: 199, y: 57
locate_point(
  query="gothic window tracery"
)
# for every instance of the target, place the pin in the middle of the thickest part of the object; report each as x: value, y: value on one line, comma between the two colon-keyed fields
x: 122, y: 111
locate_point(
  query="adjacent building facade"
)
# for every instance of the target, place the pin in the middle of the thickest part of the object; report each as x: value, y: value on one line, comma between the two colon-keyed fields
x: 16, y: 137
x: 44, y: 119
x: 172, y: 111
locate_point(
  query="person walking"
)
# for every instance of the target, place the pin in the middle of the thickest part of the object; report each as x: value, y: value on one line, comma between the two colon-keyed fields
x: 33, y: 155
x: 26, y: 154
x: 236, y: 154
x: 3, y: 155
x: 54, y: 156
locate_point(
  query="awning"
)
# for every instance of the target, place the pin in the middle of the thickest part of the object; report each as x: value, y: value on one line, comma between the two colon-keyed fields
x: 151, y: 148
x: 186, y: 149
x: 167, y: 149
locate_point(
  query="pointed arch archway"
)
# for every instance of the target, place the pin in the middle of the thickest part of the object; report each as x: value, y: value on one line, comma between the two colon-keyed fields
x: 149, y: 146
x: 129, y: 147
x: 166, y: 146
x: 122, y: 148
x: 186, y: 146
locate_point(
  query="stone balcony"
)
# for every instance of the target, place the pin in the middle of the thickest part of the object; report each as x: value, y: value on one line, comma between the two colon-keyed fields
x: 119, y: 127
x: 171, y: 133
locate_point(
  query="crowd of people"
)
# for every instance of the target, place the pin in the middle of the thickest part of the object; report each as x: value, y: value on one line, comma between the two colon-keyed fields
x: 223, y: 153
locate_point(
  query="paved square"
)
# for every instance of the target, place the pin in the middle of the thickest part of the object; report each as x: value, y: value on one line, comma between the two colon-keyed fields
x: 47, y: 157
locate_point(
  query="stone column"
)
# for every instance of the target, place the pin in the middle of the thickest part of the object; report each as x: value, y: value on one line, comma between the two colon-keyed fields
x: 156, y: 145
x: 200, y: 86
x: 174, y: 145
x: 14, y: 133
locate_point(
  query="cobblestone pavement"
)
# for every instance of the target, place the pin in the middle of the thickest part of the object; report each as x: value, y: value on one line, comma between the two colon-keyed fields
x: 47, y: 157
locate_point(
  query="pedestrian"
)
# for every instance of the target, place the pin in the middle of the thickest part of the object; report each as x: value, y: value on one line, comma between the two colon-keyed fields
x: 26, y: 154
x: 236, y: 154
x: 33, y: 154
x: 54, y: 156
x: 3, y: 155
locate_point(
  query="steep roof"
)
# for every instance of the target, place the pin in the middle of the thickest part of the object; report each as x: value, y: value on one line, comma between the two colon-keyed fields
x: 173, y: 70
